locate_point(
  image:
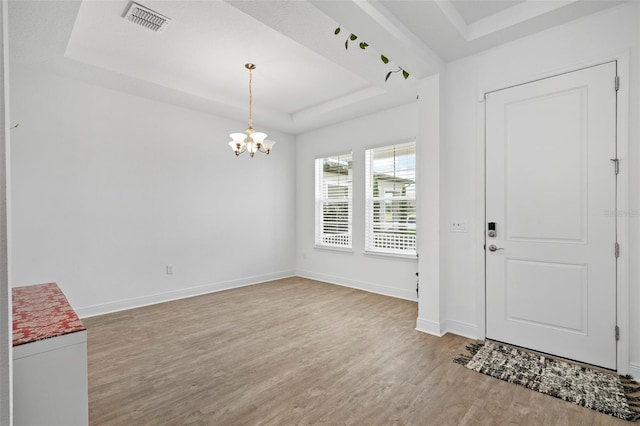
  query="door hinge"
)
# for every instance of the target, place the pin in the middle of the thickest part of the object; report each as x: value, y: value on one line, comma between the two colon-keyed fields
x: 616, y: 165
x: 617, y: 333
x: 617, y: 250
x: 617, y: 83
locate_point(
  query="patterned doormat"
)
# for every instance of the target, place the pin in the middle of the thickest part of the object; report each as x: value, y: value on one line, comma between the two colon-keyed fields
x: 618, y: 396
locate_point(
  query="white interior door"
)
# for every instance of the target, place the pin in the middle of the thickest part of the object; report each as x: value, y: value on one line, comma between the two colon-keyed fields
x: 551, y: 192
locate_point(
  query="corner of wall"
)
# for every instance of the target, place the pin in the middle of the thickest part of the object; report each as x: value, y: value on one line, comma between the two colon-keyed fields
x: 429, y: 303
x: 6, y: 348
x: 430, y: 327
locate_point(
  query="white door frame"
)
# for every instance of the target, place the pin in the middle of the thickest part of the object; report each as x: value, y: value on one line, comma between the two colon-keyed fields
x: 622, y: 293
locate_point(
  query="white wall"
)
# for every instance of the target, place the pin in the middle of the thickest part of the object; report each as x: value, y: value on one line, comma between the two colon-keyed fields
x: 430, y: 315
x: 384, y: 275
x: 6, y: 347
x: 110, y: 188
x: 612, y: 34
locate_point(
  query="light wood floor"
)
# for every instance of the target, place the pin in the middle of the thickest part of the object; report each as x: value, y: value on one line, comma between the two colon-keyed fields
x: 296, y: 351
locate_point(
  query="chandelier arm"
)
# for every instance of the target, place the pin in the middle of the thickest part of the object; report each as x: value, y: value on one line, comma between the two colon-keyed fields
x: 251, y: 141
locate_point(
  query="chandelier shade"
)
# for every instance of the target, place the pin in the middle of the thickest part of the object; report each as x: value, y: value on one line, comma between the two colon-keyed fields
x: 250, y: 141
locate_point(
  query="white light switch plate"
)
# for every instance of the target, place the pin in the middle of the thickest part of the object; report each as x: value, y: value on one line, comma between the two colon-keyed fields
x: 458, y: 226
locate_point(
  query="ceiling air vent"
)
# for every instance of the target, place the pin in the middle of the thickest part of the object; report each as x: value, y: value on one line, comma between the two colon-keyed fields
x: 147, y: 18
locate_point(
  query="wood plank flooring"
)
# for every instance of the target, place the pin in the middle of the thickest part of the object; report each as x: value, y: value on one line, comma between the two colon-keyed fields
x: 296, y: 352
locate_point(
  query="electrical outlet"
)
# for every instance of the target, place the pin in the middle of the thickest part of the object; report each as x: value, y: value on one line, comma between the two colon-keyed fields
x: 458, y: 226
x: 170, y: 270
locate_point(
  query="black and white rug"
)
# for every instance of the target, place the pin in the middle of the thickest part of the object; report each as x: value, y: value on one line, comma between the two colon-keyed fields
x: 618, y: 396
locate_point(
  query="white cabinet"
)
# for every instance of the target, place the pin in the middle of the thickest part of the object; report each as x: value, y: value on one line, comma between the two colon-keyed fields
x: 50, y: 384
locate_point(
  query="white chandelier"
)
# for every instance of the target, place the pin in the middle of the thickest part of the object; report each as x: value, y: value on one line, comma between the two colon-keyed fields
x: 250, y: 141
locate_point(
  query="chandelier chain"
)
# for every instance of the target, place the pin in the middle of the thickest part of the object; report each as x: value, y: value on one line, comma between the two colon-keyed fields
x: 250, y: 141
x: 250, y: 98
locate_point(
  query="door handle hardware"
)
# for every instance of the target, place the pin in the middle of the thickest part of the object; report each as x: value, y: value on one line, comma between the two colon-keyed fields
x: 493, y: 247
x: 491, y: 229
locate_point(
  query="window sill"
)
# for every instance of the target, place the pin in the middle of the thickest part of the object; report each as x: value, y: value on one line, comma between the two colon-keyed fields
x: 407, y: 257
x: 331, y: 248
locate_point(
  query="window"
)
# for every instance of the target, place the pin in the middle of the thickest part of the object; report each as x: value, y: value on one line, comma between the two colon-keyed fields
x: 391, y: 199
x: 333, y: 201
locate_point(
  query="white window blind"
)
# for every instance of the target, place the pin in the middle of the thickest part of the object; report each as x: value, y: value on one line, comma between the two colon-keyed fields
x: 391, y: 199
x: 333, y: 201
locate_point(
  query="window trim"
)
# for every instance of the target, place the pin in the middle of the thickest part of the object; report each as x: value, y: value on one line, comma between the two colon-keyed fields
x: 368, y: 199
x: 345, y: 250
x: 320, y: 202
x: 407, y: 257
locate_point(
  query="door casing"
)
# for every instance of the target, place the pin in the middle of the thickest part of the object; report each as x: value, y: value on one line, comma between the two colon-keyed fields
x: 622, y: 298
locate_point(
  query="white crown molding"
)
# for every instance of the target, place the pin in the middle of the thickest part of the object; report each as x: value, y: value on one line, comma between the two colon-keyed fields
x: 513, y: 16
x: 498, y: 21
x: 454, y: 17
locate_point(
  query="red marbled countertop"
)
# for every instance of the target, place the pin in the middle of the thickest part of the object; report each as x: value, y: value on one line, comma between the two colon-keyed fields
x: 41, y: 311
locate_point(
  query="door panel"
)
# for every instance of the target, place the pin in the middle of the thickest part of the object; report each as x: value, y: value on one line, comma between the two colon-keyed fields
x: 551, y: 285
x: 555, y: 153
x: 532, y: 282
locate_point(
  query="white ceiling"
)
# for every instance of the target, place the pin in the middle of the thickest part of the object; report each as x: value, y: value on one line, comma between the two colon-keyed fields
x: 473, y: 10
x: 304, y: 79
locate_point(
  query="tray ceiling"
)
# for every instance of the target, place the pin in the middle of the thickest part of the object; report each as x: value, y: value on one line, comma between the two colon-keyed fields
x: 304, y: 79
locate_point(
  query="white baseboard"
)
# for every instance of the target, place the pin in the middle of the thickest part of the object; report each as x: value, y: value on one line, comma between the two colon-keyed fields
x: 152, y: 299
x: 462, y: 329
x: 441, y: 328
x: 430, y: 327
x: 634, y: 370
x: 360, y: 285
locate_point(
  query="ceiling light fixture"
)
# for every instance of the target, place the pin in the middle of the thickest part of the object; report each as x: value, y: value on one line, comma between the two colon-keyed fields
x: 250, y: 141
